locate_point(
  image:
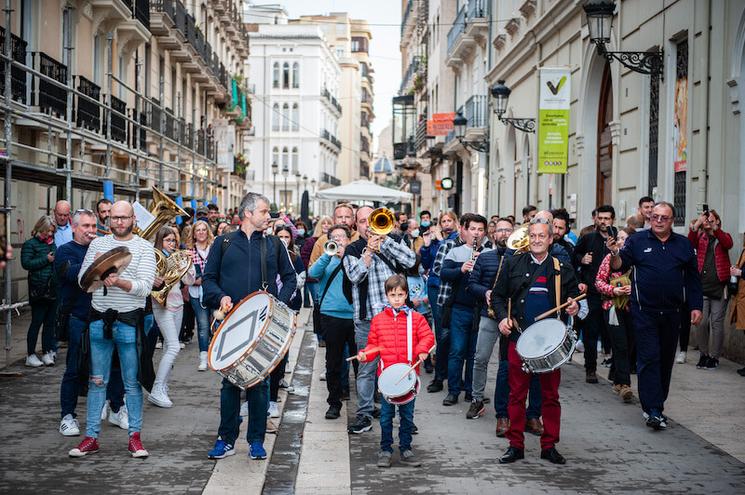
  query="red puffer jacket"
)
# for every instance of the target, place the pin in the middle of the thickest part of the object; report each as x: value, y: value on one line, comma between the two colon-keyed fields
x: 700, y: 242
x: 388, y: 332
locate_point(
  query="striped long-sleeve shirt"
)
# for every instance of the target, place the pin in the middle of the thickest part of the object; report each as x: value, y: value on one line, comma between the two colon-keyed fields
x: 140, y: 272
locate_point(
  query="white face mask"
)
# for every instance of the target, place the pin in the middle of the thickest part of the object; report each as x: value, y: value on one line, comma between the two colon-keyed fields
x: 300, y: 231
x: 415, y: 233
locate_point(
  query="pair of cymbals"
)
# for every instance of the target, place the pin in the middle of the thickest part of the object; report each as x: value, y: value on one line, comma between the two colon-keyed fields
x: 112, y: 261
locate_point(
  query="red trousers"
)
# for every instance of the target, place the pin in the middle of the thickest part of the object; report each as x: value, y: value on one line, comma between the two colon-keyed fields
x: 550, y: 408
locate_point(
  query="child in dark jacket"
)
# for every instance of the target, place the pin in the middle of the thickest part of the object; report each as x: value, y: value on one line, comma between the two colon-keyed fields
x: 388, y: 337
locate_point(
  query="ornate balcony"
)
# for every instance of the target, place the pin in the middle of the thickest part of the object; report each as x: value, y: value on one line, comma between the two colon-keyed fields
x: 88, y: 113
x: 17, y: 75
x: 470, y: 28
x: 52, y: 98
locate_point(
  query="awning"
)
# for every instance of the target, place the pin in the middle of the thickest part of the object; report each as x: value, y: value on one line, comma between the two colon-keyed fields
x: 363, y: 190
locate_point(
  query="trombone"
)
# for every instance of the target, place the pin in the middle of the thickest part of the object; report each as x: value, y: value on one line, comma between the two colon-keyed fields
x: 380, y: 222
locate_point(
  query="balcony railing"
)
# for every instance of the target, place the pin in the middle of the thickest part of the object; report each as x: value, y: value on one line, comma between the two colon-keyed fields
x: 52, y: 98
x: 141, y: 11
x: 405, y: 17
x: 141, y: 129
x: 412, y: 69
x: 17, y: 75
x: 451, y: 135
x: 421, y: 133
x: 331, y: 99
x: 364, y: 144
x: 167, y: 7
x: 476, y: 109
x: 88, y: 113
x: 459, y: 25
x: 476, y: 9
x: 330, y: 179
x: 170, y: 129
x: 118, y: 120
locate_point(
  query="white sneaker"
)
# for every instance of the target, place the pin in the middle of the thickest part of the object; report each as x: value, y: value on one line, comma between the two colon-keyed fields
x: 121, y: 418
x: 105, y: 411
x: 48, y: 358
x: 244, y: 409
x: 159, y: 345
x: 33, y: 361
x: 580, y: 347
x: 270, y: 426
x: 69, y: 426
x: 202, y: 361
x: 273, y: 410
x: 323, y: 376
x: 159, y: 397
x: 181, y: 345
x: 681, y: 357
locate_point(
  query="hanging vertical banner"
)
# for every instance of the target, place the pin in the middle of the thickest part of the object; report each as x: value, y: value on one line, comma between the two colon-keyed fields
x: 680, y: 122
x: 224, y: 135
x: 553, y: 120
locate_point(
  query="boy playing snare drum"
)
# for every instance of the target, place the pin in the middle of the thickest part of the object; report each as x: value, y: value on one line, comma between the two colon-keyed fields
x: 398, y: 334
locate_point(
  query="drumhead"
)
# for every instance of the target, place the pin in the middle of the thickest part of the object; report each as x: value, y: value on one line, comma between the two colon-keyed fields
x: 240, y: 329
x: 541, y: 338
x: 390, y: 383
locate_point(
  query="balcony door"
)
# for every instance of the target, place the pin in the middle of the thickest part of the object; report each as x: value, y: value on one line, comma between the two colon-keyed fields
x: 604, y: 187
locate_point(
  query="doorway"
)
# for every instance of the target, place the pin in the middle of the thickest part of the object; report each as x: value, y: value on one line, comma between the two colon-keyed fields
x: 604, y: 186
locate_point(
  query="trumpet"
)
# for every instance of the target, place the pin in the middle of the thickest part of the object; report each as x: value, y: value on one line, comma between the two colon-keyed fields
x: 380, y: 221
x: 331, y: 248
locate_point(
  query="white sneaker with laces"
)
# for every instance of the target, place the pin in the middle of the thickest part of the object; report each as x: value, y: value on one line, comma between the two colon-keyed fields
x: 202, y: 361
x: 69, y: 426
x: 48, y: 359
x: 323, y: 376
x: 681, y: 357
x: 273, y: 410
x: 159, y: 397
x: 33, y: 361
x: 121, y: 418
x: 105, y: 410
x: 159, y: 345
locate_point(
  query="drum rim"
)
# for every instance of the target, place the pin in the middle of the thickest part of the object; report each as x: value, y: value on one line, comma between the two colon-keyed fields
x: 391, y: 367
x: 272, y: 301
x: 566, y: 331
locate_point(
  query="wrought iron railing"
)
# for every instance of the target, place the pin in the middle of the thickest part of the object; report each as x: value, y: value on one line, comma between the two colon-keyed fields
x: 476, y: 110
x: 118, y: 120
x: 459, y: 25
x: 52, y: 98
x: 170, y: 130
x: 88, y: 113
x: 17, y: 75
x: 405, y: 17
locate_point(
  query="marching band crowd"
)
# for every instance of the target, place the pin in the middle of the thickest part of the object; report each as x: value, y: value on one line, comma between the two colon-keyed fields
x: 384, y: 289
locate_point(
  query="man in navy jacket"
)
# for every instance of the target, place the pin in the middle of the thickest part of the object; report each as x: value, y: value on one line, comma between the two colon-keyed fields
x: 232, y: 272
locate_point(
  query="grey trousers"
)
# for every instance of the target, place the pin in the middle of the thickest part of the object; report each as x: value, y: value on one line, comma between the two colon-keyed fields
x: 488, y: 336
x: 366, y: 373
x: 710, y: 335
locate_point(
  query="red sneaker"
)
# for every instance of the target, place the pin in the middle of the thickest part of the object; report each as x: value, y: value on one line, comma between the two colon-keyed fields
x: 135, y: 446
x: 89, y: 445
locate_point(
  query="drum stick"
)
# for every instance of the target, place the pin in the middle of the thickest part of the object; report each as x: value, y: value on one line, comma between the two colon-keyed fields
x: 413, y: 366
x: 374, y: 349
x: 559, y: 308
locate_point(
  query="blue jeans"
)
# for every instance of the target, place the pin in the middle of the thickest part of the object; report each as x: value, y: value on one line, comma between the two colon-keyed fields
x: 366, y: 372
x: 203, y: 323
x: 462, y: 349
x: 441, y: 334
x: 43, y: 312
x: 124, y: 338
x: 406, y: 415
x: 230, y: 410
x: 502, y: 393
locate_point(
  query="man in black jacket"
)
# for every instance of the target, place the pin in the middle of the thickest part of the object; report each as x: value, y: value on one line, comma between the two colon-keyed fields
x: 529, y: 281
x: 233, y: 271
x: 588, y: 256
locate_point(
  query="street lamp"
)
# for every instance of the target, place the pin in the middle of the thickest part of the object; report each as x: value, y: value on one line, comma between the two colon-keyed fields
x: 285, y: 174
x: 501, y: 95
x: 275, y: 168
x: 297, y: 190
x: 600, y: 24
x: 459, y: 127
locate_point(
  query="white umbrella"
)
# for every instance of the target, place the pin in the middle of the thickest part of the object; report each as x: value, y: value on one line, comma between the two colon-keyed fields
x: 363, y: 190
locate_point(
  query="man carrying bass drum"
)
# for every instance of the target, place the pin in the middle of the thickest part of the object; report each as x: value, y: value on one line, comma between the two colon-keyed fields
x: 232, y: 272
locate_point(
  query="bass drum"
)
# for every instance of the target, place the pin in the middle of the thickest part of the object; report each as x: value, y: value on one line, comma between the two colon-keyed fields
x: 545, y: 345
x: 252, y: 339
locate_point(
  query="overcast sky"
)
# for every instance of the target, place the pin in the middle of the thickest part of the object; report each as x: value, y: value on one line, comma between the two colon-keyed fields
x: 384, y: 17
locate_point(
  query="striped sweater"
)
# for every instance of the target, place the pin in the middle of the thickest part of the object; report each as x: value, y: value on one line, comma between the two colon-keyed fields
x: 141, y: 272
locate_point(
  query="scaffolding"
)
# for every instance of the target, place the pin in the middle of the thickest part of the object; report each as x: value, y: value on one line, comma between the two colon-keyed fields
x: 99, y: 133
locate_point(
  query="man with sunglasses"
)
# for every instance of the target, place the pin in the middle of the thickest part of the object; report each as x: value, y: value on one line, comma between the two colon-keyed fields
x: 665, y: 279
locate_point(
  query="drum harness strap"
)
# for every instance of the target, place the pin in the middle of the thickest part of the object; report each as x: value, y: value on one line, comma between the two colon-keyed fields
x: 409, y: 336
x: 264, y: 280
x: 557, y: 285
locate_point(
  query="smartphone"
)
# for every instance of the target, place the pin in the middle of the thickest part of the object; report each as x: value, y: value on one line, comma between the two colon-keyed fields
x: 705, y: 209
x: 4, y: 227
x: 613, y: 232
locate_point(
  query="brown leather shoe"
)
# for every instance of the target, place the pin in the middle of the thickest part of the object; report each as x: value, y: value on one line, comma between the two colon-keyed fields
x: 503, y: 424
x: 626, y: 393
x: 534, y: 426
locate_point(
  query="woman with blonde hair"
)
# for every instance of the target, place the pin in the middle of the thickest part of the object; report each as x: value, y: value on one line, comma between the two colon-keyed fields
x: 37, y: 257
x: 199, y: 244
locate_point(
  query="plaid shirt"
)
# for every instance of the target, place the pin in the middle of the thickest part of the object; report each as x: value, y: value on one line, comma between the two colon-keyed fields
x: 377, y: 273
x: 446, y: 288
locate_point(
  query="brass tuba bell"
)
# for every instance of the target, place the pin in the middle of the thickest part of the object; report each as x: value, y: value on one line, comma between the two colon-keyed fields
x: 380, y: 221
x: 518, y: 240
x: 164, y: 209
x: 170, y: 269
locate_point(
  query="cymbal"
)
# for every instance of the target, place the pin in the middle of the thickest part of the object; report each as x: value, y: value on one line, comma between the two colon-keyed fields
x: 113, y: 261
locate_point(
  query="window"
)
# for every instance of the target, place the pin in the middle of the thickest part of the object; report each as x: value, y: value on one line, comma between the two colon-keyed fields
x: 275, y: 117
x: 363, y: 69
x: 286, y: 75
x: 295, y: 160
x: 296, y: 75
x: 286, y: 117
x: 359, y: 44
x: 275, y: 75
x: 275, y: 155
x: 295, y: 117
x: 285, y: 159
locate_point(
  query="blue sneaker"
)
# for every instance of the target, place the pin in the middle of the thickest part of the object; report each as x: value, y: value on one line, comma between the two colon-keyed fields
x: 256, y: 451
x: 221, y: 450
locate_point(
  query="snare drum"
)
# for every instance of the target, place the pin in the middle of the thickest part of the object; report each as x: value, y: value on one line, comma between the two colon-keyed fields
x: 252, y: 339
x: 396, y: 390
x: 545, y: 345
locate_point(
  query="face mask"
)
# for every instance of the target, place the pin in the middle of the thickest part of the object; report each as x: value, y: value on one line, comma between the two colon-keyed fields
x: 300, y: 231
x: 415, y: 233
x: 426, y: 223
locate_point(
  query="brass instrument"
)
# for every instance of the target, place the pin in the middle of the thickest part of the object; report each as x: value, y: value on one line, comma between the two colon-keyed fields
x: 519, y: 240
x: 171, y: 269
x: 331, y: 248
x: 380, y: 221
x: 113, y: 261
x: 164, y: 209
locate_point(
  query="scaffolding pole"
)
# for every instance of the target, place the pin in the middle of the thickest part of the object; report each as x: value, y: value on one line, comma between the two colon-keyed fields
x: 68, y: 114
x: 8, y: 134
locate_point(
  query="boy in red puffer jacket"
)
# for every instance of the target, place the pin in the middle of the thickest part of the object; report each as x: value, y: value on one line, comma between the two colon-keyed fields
x: 388, y: 337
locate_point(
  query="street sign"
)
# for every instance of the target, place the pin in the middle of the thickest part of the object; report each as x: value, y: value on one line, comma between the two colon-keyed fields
x: 446, y: 183
x: 415, y: 187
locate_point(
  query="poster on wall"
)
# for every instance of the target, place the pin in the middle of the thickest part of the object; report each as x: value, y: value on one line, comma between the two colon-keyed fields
x: 553, y: 120
x: 680, y: 123
x: 440, y: 124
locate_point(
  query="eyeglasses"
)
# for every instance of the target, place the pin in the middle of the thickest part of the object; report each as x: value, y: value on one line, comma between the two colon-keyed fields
x: 120, y: 219
x: 661, y: 218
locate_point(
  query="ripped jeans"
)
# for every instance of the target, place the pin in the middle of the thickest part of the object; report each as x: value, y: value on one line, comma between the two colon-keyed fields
x: 124, y: 337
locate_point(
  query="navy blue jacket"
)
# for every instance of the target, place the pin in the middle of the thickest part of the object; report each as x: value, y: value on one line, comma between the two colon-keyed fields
x: 67, y: 263
x: 429, y: 254
x: 665, y: 274
x: 238, y: 273
x: 484, y: 275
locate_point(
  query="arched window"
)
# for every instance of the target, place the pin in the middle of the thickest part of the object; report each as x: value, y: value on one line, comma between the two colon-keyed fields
x: 286, y: 75
x: 295, y: 159
x: 275, y: 117
x: 275, y: 75
x: 295, y: 117
x: 285, y: 159
x: 275, y: 155
x: 286, y: 117
x: 296, y: 75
